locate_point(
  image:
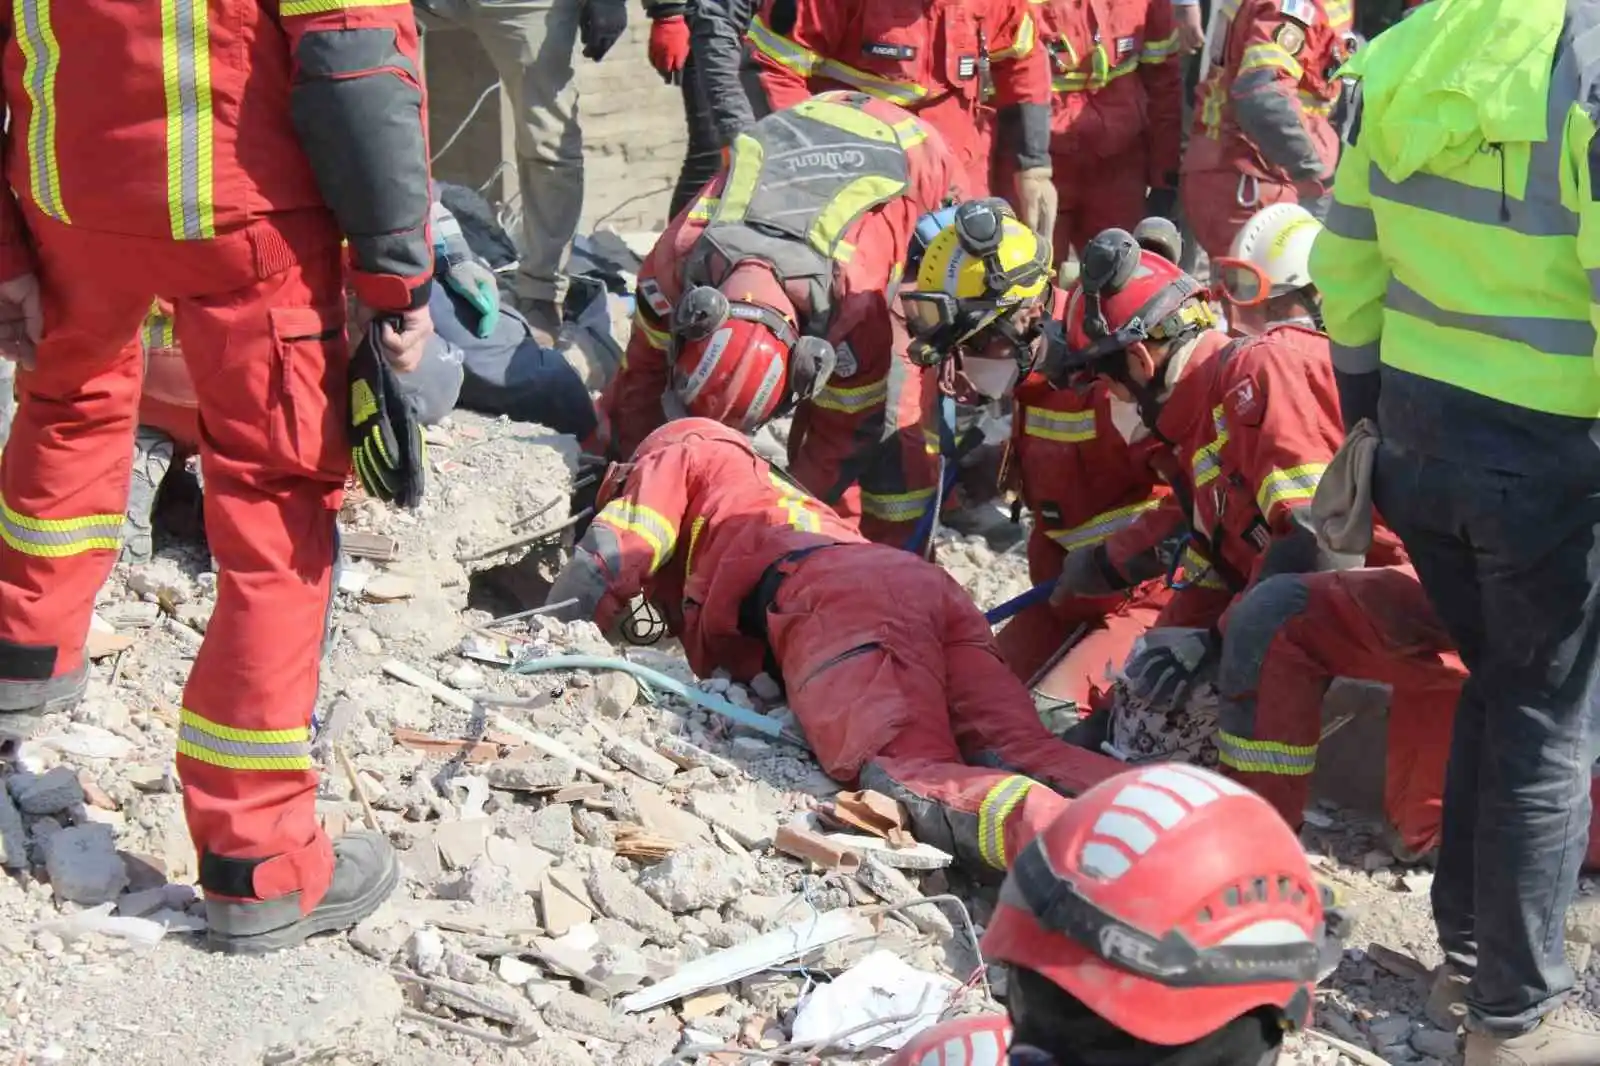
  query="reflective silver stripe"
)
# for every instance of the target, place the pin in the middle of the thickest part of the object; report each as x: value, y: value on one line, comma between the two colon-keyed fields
x: 1541, y: 214
x: 1357, y: 358
x: 1351, y: 223
x: 186, y: 69
x: 1552, y: 336
x: 102, y: 531
x: 1594, y: 284
x: 188, y: 734
x: 42, y: 57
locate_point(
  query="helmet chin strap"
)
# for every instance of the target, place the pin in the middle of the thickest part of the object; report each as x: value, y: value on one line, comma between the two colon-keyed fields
x: 1147, y: 398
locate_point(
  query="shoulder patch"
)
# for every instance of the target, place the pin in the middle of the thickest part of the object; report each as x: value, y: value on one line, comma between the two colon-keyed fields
x: 1290, y: 37
x: 657, y: 300
x: 1302, y: 11
x: 846, y: 363
x: 1246, y: 402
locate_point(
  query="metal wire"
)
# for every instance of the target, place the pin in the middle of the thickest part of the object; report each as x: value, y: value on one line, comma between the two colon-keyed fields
x: 462, y: 128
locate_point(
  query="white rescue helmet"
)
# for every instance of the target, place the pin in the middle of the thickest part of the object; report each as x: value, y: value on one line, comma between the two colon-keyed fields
x: 1270, y: 256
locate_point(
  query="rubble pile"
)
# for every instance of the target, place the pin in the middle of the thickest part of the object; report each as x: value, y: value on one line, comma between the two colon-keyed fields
x: 596, y: 869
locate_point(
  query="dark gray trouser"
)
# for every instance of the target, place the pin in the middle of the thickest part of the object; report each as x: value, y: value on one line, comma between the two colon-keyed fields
x: 1511, y: 563
x: 703, y: 156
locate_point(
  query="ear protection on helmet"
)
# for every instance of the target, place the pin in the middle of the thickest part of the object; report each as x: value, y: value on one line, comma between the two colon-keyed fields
x: 811, y: 364
x: 703, y: 310
x: 979, y: 227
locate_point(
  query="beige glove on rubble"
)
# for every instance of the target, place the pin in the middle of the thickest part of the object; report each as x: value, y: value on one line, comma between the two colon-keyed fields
x: 1036, y: 196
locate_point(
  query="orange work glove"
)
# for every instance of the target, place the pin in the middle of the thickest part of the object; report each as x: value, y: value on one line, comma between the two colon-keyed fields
x: 669, y: 46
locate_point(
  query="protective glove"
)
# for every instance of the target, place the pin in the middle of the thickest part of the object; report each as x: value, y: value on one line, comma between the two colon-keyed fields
x: 1164, y: 663
x: 669, y: 47
x: 1087, y: 572
x: 1036, y: 196
x: 385, y: 435
x: 600, y: 24
x: 1161, y: 203
x: 464, y: 274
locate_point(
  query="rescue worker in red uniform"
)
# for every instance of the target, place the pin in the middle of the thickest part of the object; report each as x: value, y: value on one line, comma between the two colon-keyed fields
x: 1253, y: 424
x: 219, y: 162
x: 1132, y: 935
x: 1117, y: 121
x: 1263, y: 133
x: 889, y: 668
x: 961, y: 67
x: 787, y: 267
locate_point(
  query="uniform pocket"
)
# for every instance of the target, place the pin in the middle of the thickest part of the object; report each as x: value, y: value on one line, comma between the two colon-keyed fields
x: 309, y: 401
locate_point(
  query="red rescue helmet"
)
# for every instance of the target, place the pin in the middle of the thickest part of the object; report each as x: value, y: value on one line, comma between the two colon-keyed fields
x: 1168, y: 900
x: 732, y: 349
x: 1126, y: 294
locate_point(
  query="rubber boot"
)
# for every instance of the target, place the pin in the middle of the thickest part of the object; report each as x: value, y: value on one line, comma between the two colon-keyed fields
x: 365, y: 872
x: 1566, y: 1037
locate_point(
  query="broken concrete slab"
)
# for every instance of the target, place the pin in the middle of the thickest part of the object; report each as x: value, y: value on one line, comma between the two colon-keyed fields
x: 525, y: 865
x: 551, y: 829
x: 460, y: 843
x: 530, y: 775
x: 13, y: 838
x: 564, y: 901
x: 690, y: 757
x: 895, y: 888
x: 694, y: 878
x: 739, y: 814
x: 632, y: 755
x: 51, y: 792
x: 83, y: 864
x: 586, y: 1017
x: 618, y: 897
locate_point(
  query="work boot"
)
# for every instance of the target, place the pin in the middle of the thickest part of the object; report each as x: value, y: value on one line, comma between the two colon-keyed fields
x: 23, y: 704
x: 1447, y: 999
x: 152, y: 458
x: 365, y: 871
x: 1566, y: 1037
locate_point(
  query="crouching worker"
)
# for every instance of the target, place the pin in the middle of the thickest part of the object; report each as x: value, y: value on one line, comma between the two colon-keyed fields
x: 1167, y: 918
x: 889, y: 667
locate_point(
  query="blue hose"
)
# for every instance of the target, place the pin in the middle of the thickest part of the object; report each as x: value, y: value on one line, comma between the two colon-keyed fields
x: 1016, y: 604
x: 704, y: 700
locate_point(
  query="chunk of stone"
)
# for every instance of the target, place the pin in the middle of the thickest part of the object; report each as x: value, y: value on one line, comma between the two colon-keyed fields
x: 530, y: 775
x: 13, y: 839
x: 619, y: 898
x: 84, y: 866
x: 573, y: 1013
x: 692, y: 878
x: 894, y: 887
x: 739, y: 815
x: 632, y: 755
x: 551, y: 829
x: 51, y: 792
x: 616, y: 692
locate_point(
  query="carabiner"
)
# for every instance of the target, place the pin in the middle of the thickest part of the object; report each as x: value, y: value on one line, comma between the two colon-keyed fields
x: 1255, y: 191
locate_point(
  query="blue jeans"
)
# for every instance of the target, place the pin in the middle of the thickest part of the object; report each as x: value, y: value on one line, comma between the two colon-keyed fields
x: 1511, y: 564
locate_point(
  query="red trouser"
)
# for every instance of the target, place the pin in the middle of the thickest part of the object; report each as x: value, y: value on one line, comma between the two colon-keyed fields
x: 1096, y: 194
x: 1285, y: 642
x: 260, y: 318
x: 893, y: 676
x: 1217, y: 204
x: 1112, y: 625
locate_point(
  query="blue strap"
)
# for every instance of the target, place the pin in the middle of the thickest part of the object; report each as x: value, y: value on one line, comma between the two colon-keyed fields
x: 1017, y: 604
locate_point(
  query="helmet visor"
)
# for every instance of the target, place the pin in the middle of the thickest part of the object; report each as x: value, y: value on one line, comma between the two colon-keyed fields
x: 1240, y: 282
x: 928, y: 313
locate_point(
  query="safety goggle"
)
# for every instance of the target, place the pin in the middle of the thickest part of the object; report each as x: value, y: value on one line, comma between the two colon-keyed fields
x: 1240, y: 282
x: 1171, y: 960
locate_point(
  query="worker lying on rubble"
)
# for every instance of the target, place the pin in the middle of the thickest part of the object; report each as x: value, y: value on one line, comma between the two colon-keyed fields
x: 775, y: 289
x: 1073, y: 466
x: 889, y: 668
x: 1252, y: 424
x: 1166, y: 918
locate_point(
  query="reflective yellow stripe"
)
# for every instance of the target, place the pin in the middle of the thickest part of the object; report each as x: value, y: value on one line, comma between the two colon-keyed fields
x: 694, y: 538
x: 1070, y: 426
x: 782, y: 50
x: 910, y: 132
x: 1314, y: 104
x: 797, y: 506
x: 1269, y: 55
x: 896, y: 92
x: 1298, y: 483
x: 291, y: 8
x: 703, y: 209
x: 1340, y: 15
x: 1265, y: 756
x: 1207, y: 462
x: 242, y: 749
x: 1101, y: 526
x: 656, y: 338
x: 649, y: 526
x: 1197, y: 570
x: 41, y: 58
x: 1022, y: 44
x: 1159, y: 51
x: 896, y: 506
x: 744, y: 172
x: 57, y: 538
x: 157, y: 330
x: 186, y: 74
x: 992, y: 814
x: 850, y: 201
x: 852, y: 399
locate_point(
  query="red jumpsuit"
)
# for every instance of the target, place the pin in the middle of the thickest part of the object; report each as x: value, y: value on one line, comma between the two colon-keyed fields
x: 1082, y: 482
x: 868, y: 443
x: 214, y: 154
x: 168, y: 400
x: 1262, y: 133
x: 889, y: 668
x: 1117, y: 123
x: 925, y: 55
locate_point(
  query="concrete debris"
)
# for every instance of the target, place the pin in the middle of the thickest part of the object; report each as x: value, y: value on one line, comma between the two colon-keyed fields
x: 576, y: 849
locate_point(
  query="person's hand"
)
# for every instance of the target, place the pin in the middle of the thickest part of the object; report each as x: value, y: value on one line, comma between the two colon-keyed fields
x: 1086, y: 572
x: 21, y: 319
x: 669, y: 46
x: 1164, y: 664
x: 1191, y: 34
x: 600, y: 24
x: 403, y: 347
x: 476, y: 284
